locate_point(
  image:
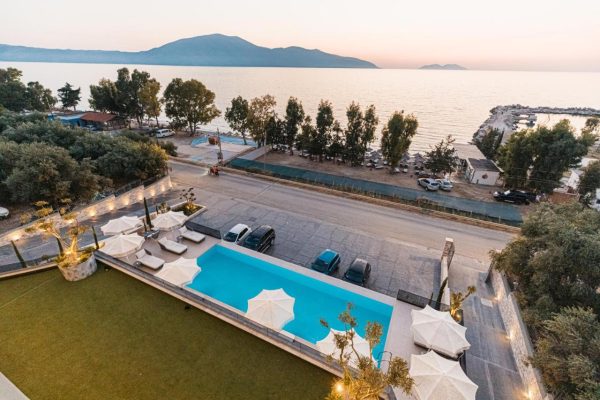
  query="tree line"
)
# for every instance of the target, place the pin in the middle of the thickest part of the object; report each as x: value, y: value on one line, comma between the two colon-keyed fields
x: 324, y: 135
x: 555, y: 265
x: 44, y: 160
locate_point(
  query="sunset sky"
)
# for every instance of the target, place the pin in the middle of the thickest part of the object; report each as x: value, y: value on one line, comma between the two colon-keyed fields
x: 479, y: 34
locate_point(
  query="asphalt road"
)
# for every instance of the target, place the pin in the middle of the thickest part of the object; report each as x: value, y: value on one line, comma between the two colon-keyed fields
x: 397, y: 225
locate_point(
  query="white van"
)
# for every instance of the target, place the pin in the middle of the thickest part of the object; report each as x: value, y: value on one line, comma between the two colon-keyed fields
x: 163, y: 133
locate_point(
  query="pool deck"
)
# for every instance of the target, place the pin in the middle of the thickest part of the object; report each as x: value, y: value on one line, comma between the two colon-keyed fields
x: 399, y: 340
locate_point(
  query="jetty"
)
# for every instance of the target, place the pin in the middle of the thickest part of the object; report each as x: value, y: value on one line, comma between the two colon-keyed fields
x: 507, y: 118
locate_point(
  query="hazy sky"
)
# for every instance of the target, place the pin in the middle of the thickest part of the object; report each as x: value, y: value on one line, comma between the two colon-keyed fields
x: 505, y: 34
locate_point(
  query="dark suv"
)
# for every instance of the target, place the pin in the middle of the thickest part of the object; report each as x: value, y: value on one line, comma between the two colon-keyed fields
x: 515, y: 196
x: 358, y: 272
x: 261, y: 239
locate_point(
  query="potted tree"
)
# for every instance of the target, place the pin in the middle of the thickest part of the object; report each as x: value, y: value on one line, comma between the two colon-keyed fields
x: 74, y: 263
x: 188, y: 204
x: 363, y: 379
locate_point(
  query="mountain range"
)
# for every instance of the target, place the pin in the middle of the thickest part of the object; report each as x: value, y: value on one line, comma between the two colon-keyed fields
x: 455, y: 67
x: 208, y: 50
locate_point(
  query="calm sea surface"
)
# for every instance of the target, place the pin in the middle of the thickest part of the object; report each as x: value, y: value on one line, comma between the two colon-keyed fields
x: 445, y: 102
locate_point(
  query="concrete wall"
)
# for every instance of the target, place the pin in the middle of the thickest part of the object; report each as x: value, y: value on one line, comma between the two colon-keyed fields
x: 520, y: 341
x: 108, y: 204
x: 482, y: 177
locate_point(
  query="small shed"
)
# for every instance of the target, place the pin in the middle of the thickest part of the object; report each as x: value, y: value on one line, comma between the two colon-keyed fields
x: 475, y: 166
x: 482, y: 171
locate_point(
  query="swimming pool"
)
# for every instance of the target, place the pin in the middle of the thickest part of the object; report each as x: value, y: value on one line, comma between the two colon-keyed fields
x: 224, y: 139
x: 233, y: 277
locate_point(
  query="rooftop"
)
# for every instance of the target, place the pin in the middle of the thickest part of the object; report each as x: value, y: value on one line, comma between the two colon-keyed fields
x: 97, y: 117
x: 111, y: 336
x: 483, y: 164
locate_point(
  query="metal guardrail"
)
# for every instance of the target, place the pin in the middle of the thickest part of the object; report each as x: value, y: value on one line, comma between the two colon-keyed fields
x: 219, y: 309
x: 420, y: 301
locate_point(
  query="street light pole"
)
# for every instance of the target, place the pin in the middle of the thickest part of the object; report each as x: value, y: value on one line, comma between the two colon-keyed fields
x: 220, y: 155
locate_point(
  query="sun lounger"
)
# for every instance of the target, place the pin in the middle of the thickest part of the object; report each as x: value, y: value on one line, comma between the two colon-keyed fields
x: 191, y: 235
x: 148, y: 260
x: 171, y: 246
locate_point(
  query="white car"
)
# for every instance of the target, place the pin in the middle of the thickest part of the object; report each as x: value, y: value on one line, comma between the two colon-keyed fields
x: 163, y: 133
x: 428, y: 183
x: 4, y: 213
x: 445, y: 184
x: 237, y: 234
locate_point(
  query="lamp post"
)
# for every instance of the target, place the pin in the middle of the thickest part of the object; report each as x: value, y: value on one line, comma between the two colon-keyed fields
x: 220, y: 154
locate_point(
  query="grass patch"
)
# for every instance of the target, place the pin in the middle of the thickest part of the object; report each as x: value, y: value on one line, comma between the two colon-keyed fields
x: 113, y: 337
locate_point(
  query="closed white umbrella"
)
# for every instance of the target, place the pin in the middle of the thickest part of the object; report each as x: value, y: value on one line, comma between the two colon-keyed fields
x: 328, y: 346
x: 437, y: 330
x: 179, y: 272
x: 122, y: 245
x: 169, y: 220
x: 437, y: 378
x: 272, y: 308
x: 120, y: 225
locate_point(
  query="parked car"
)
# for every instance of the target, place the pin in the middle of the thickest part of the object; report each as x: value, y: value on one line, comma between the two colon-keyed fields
x: 4, y: 213
x: 163, y: 133
x: 428, y: 183
x: 445, y: 184
x: 237, y: 234
x: 327, y: 262
x: 358, y: 272
x: 514, y: 196
x: 261, y: 239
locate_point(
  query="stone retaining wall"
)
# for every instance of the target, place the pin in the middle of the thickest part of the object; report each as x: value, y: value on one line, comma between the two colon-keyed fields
x: 108, y: 204
x: 520, y: 342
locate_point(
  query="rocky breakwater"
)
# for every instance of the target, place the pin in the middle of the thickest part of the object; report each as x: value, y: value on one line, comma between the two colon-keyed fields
x: 506, y: 118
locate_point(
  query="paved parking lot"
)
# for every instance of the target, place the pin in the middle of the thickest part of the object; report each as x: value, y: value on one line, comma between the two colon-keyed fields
x: 300, y: 239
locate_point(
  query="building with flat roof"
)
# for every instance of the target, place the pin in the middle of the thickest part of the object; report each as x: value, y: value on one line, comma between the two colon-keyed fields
x: 476, y: 167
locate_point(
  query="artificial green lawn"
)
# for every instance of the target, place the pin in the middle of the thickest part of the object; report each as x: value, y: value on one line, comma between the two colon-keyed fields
x: 113, y: 337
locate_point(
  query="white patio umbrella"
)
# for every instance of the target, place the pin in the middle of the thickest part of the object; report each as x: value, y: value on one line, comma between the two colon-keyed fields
x: 122, y: 245
x: 327, y: 346
x: 437, y: 330
x: 179, y: 272
x: 272, y: 308
x: 437, y: 378
x: 169, y: 220
x: 120, y: 225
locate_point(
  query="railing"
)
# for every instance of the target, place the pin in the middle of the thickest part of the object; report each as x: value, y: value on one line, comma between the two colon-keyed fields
x: 420, y: 301
x: 28, y: 263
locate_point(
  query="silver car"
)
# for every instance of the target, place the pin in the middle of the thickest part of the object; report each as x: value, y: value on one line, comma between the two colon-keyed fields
x: 428, y: 183
x: 445, y: 184
x: 4, y: 213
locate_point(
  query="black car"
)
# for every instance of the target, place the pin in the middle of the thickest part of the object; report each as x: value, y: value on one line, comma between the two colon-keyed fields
x: 261, y: 239
x: 327, y: 262
x: 514, y: 196
x: 358, y: 272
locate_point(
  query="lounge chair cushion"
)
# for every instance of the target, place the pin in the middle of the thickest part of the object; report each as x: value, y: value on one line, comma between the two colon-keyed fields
x: 151, y: 262
x: 191, y: 235
x: 173, y: 247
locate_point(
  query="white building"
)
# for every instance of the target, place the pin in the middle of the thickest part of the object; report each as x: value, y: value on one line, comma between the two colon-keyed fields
x: 477, y: 169
x: 573, y: 181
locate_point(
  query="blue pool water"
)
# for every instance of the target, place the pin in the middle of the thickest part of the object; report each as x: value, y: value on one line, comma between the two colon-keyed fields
x: 233, y: 278
x: 224, y: 139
